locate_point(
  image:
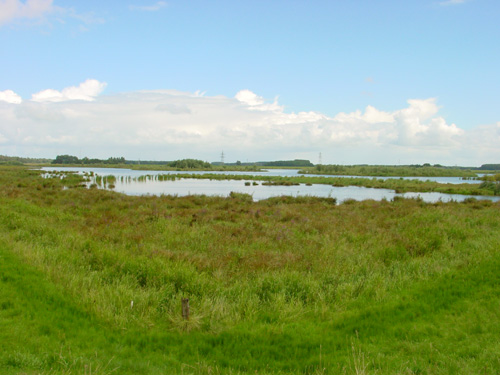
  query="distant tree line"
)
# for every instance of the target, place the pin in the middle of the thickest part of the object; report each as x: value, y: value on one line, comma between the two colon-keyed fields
x: 286, y: 163
x: 147, y: 162
x: 190, y: 164
x: 17, y: 160
x: 360, y: 169
x: 490, y: 167
x: 298, y: 163
x: 180, y: 164
x: 70, y: 159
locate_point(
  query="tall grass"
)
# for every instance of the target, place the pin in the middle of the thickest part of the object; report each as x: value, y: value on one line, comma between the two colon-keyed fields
x: 284, y: 285
x: 390, y: 170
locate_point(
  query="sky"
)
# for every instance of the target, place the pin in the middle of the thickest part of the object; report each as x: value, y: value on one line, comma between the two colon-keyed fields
x: 337, y: 81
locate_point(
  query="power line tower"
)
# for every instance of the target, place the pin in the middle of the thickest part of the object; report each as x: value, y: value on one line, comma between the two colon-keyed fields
x: 320, y: 159
x: 222, y: 157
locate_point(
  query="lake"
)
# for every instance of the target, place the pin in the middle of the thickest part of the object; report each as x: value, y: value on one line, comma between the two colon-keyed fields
x: 127, y: 182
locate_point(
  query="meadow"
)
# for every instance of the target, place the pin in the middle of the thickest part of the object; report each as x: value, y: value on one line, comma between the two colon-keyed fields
x: 91, y: 282
x: 425, y: 170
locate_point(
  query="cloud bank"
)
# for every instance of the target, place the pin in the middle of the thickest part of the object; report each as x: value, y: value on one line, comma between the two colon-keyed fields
x: 10, y: 96
x: 170, y: 124
x: 87, y: 91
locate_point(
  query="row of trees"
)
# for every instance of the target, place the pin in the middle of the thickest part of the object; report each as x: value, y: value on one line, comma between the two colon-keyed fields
x: 180, y: 164
x: 490, y: 167
x: 364, y: 169
x: 190, y: 164
x: 297, y: 163
x: 70, y: 159
x: 17, y: 160
x: 287, y: 163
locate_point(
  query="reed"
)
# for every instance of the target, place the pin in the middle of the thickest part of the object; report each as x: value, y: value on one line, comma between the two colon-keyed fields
x: 280, y: 286
x: 390, y: 170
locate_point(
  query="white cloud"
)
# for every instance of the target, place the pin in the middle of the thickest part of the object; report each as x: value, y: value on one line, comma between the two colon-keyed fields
x: 149, y: 8
x: 169, y: 124
x: 199, y: 93
x: 30, y: 111
x: 86, y: 91
x: 419, y: 125
x: 174, y: 109
x: 30, y: 9
x: 10, y: 96
x: 256, y: 102
x: 371, y: 116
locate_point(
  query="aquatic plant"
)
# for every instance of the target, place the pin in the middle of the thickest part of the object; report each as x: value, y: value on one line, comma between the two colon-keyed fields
x: 295, y: 285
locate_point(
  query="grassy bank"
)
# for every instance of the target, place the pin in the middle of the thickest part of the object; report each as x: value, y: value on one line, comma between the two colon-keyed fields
x: 390, y: 170
x: 285, y: 285
x: 160, y: 167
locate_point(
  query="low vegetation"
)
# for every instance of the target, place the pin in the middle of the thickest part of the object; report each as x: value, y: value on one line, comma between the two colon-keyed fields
x: 425, y: 170
x: 91, y: 282
x: 491, y: 183
x: 176, y: 165
x: 17, y: 160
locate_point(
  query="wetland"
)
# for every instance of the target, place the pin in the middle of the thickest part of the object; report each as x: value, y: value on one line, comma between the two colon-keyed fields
x: 91, y: 281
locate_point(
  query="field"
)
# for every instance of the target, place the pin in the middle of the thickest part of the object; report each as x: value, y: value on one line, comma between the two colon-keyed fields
x: 392, y: 170
x: 280, y: 286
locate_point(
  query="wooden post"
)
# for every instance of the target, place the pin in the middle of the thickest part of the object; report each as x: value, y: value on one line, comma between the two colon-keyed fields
x: 185, y: 308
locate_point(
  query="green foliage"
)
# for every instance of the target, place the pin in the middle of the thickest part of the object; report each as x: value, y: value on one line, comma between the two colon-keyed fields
x: 281, y: 286
x: 66, y: 159
x: 490, y: 167
x: 297, y: 163
x: 17, y: 160
x: 386, y: 170
x: 190, y: 164
x: 69, y: 159
x: 11, y: 162
x: 491, y: 183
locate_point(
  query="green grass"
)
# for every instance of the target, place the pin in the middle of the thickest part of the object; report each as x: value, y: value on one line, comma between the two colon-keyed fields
x: 390, y: 170
x: 284, y: 285
x: 160, y: 167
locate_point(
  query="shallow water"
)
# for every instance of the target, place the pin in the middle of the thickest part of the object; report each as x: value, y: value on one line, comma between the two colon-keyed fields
x: 118, y: 172
x: 127, y: 183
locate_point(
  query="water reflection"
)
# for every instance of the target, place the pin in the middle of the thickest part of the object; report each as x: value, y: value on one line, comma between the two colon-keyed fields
x: 132, y: 182
x: 118, y: 172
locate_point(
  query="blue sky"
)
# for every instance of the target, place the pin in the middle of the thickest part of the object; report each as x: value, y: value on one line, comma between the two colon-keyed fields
x: 380, y: 81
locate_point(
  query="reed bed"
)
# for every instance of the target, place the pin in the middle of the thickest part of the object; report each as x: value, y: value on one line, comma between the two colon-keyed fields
x: 92, y: 282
